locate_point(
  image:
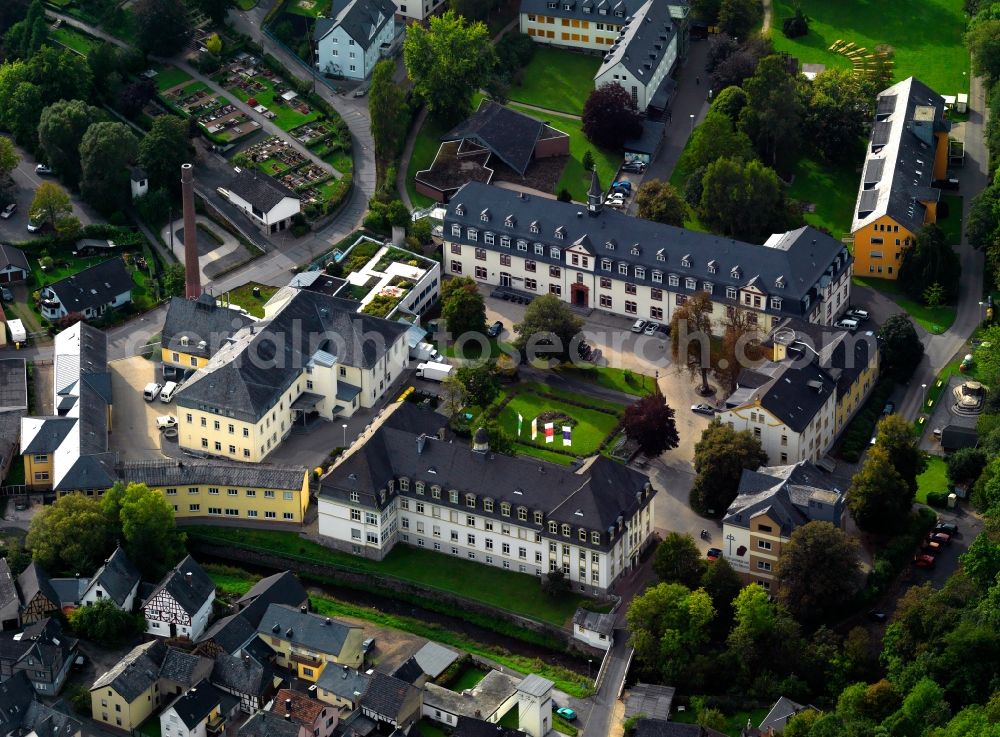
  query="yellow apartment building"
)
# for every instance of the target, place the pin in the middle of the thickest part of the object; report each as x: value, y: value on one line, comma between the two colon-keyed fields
x: 194, y: 330
x: 307, y: 643
x: 907, y: 154
x: 127, y: 695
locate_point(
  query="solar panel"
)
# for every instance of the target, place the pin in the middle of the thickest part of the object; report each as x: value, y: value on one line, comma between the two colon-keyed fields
x: 880, y: 133
x: 885, y: 105
x: 873, y: 172
x: 869, y: 198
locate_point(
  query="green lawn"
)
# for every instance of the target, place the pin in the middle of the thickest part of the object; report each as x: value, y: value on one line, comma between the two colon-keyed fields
x: 622, y: 380
x: 425, y: 148
x: 562, y: 726
x: 246, y: 4
x: 286, y: 117
x: 73, y: 39
x: 934, y: 478
x: 517, y: 592
x: 952, y: 223
x: 590, y: 430
x: 833, y: 189
x: 244, y: 297
x: 934, y: 320
x: 168, y: 77
x: 468, y: 679
x: 65, y: 266
x: 151, y: 727
x: 426, y: 728
x: 926, y: 36
x: 557, y: 79
x: 308, y: 8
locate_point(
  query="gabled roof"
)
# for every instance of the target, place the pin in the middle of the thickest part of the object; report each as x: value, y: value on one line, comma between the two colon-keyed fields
x: 93, y: 287
x: 16, y: 696
x: 279, y: 588
x: 534, y: 685
x: 510, y: 135
x: 362, y: 20
x: 187, y: 584
x: 196, y: 704
x: 180, y: 473
x: 268, y: 724
x: 387, y: 695
x: 642, y: 47
x: 260, y: 190
x: 134, y: 674
x: 434, y: 659
x: 45, y: 643
x: 198, y: 320
x: 118, y: 577
x: 45, y: 721
x: 603, y: 624
x: 34, y: 580
x: 242, y: 673
x: 662, y: 728
x: 783, y: 710
x: 181, y: 667
x: 410, y: 671
x: 346, y: 683
x: 304, y: 711
x: 10, y: 601
x: 230, y: 633
x: 10, y: 256
x: 320, y: 634
x: 783, y: 493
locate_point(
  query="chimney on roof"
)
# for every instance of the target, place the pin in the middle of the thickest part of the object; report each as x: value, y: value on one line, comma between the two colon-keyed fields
x: 421, y: 441
x: 192, y: 275
x: 288, y: 704
x: 189, y: 577
x: 288, y: 717
x: 303, y: 609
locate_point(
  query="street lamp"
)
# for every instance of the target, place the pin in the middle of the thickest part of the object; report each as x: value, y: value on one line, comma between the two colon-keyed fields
x: 692, y: 122
x: 345, y: 434
x: 589, y: 661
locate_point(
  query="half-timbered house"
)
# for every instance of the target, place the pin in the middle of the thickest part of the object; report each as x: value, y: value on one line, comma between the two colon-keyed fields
x: 38, y: 598
x: 182, y: 603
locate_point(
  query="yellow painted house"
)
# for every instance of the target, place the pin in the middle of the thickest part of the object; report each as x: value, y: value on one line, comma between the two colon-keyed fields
x: 126, y: 696
x: 907, y: 153
x: 307, y: 643
x: 193, y: 331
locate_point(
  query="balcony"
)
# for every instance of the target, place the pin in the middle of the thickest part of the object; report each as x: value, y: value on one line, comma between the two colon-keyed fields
x: 216, y: 725
x: 306, y: 659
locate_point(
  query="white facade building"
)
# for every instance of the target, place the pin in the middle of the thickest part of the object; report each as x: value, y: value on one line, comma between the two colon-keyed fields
x: 180, y: 606
x: 409, y: 11
x: 350, y: 44
x: 269, y: 204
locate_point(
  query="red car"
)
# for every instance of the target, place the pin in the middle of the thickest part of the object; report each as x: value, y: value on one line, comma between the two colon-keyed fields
x: 713, y: 554
x: 940, y: 537
x: 923, y: 560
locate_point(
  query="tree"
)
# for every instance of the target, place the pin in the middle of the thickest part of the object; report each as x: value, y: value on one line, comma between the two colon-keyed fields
x: 217, y: 11
x: 146, y: 523
x: 172, y: 280
x: 741, y: 347
x: 981, y: 562
x: 796, y: 25
x: 23, y: 109
x: 660, y: 202
x: 610, y: 117
x: 453, y: 395
x: 742, y: 200
x: 60, y: 74
x: 835, y: 113
x: 931, y: 260
x: 106, y: 151
x: 983, y: 40
x: 448, y: 61
x: 588, y: 160
x: 71, y: 536
x: 773, y: 113
x: 386, y: 101
x: 134, y: 96
x: 738, y: 17
x: 763, y: 633
x: 965, y: 465
x: 895, y: 436
x: 106, y: 624
x: 678, y: 560
x: 480, y: 382
x: 162, y: 151
x: 690, y: 337
x: 668, y: 623
x: 27, y: 35
x: 9, y: 158
x: 60, y: 129
x: 714, y: 139
x: 50, y: 203
x: 161, y: 26
x: 879, y: 498
x: 720, y: 457
x: 721, y: 583
x: 214, y: 44
x: 901, y: 349
x: 548, y: 318
x: 650, y: 423
x: 462, y: 307
x: 105, y: 64
x: 707, y: 11
x: 730, y: 102
x: 818, y: 571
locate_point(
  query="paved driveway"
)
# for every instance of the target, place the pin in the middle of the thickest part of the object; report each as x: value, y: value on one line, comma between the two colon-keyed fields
x: 134, y: 435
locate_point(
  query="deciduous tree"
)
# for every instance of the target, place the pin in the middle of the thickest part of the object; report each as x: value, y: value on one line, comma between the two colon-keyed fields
x: 453, y: 395
x: 610, y: 117
x: 763, y: 633
x: 163, y: 149
x: 147, y: 530
x: 690, y: 337
x: 650, y: 423
x: 71, y: 536
x: 773, y: 113
x: 835, y: 114
x: 447, y: 61
x: 106, y: 151
x: 462, y: 307
x: 50, y: 203
x: 738, y: 17
x: 172, y: 280
x: 879, y: 497
x: 818, y: 571
x: 162, y: 26
x: 660, y: 202
x: 730, y: 102
x: 9, y: 158
x: 386, y: 106
x: 983, y: 40
x: 60, y: 74
x: 720, y: 457
x: 480, y: 382
x: 931, y: 260
x: 549, y: 316
x: 715, y: 138
x: 742, y: 200
x: 60, y: 129
x: 106, y: 624
x: 901, y: 349
x: 668, y: 624
x: 981, y: 562
x: 895, y: 436
x: 678, y: 560
x: 723, y: 584
x: 741, y: 347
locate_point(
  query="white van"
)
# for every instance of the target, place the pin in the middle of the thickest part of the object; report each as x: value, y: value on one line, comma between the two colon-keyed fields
x: 846, y: 323
x: 168, y: 391
x: 151, y: 392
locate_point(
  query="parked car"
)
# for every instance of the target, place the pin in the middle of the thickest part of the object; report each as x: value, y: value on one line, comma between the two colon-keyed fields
x: 634, y: 166
x: 942, y: 538
x: 8, y: 211
x: 949, y: 528
x: 847, y: 323
x: 495, y: 329
x: 923, y: 560
x: 638, y: 326
x: 876, y: 616
x: 617, y: 197
x: 34, y: 227
x: 703, y: 409
x: 165, y: 421
x: 566, y: 713
x: 43, y: 169
x: 651, y: 328
x: 714, y: 553
x: 932, y: 547
x: 857, y: 313
x: 622, y: 184
x: 152, y: 391
x: 889, y: 408
x: 6, y: 295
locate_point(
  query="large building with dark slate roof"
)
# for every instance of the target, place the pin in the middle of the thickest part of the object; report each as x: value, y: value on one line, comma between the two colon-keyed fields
x: 410, y: 487
x: 91, y: 292
x: 599, y: 258
x: 195, y: 329
x: 907, y: 153
x: 355, y: 37
x: 268, y: 203
x: 312, y: 357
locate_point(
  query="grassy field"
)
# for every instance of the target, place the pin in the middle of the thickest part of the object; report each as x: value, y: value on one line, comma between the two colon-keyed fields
x: 952, y: 224
x: 590, y: 430
x: 244, y: 297
x: 832, y: 189
x: 65, y: 266
x: 934, y: 478
x: 308, y: 8
x: 246, y: 4
x: 934, y: 320
x: 468, y: 679
x: 622, y: 380
x: 517, y: 592
x: 286, y: 117
x: 168, y: 77
x: 425, y: 148
x: 73, y: 39
x: 926, y: 37
x: 557, y: 79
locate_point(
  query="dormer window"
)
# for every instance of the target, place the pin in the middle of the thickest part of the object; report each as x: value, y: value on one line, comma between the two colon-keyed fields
x: 553, y: 252
x: 606, y: 264
x: 780, y: 281
x: 635, y: 251
x: 485, y: 215
x: 691, y: 283
x: 460, y: 210
x: 661, y: 255
x: 640, y: 272
x: 707, y: 287
x: 730, y: 292
x: 775, y: 303
x: 509, y: 221
x: 420, y: 487
x: 673, y: 280
x: 472, y: 234
x: 488, y: 239
x: 561, y: 232
x: 713, y: 266
x: 534, y: 227
x: 610, y: 245
x: 456, y: 230
x: 522, y: 245
x: 505, y: 509
x: 658, y: 277
x: 686, y: 261
x: 736, y: 272
x: 623, y: 269
x: 505, y: 241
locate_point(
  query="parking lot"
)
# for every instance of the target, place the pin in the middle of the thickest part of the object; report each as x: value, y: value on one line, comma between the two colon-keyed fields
x: 134, y: 435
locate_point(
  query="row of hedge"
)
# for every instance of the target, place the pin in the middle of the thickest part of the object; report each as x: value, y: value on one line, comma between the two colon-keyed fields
x: 859, y: 431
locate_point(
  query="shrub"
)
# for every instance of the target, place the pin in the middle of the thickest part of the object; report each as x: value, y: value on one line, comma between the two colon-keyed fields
x: 796, y: 25
x: 938, y: 499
